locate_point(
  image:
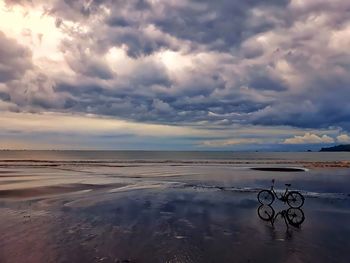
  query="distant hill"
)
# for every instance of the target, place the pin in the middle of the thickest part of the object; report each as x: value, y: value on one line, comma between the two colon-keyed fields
x: 338, y: 148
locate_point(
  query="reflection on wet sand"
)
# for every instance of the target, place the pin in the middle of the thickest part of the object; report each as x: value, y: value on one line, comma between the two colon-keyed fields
x: 162, y: 225
x: 135, y: 214
x: 292, y: 216
x: 32, y: 192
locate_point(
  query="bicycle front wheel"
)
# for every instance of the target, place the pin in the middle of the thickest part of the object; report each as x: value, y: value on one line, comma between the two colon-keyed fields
x: 295, y: 216
x: 295, y: 199
x: 266, y: 197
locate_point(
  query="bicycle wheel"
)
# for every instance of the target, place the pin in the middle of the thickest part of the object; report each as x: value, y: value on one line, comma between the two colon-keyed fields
x: 266, y: 212
x: 295, y: 216
x: 266, y: 197
x: 295, y: 199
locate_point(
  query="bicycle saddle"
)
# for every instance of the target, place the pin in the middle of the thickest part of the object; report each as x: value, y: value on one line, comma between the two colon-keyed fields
x: 288, y: 185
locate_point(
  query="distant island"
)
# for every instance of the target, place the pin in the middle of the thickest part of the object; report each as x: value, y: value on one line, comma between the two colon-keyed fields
x: 338, y: 148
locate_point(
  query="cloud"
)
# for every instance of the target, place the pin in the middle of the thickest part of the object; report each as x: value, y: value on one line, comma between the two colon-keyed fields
x: 343, y: 138
x: 85, y: 64
x: 309, y: 138
x: 189, y: 63
x: 15, y: 59
x: 88, y: 131
x: 231, y: 142
x: 90, y: 124
x: 227, y: 23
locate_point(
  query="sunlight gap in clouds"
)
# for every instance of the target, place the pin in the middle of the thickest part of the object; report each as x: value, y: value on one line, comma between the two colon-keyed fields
x: 33, y: 28
x: 90, y: 124
x: 91, y: 129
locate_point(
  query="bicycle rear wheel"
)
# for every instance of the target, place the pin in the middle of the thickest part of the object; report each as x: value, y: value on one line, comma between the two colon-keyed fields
x: 295, y: 199
x: 266, y: 212
x: 266, y: 197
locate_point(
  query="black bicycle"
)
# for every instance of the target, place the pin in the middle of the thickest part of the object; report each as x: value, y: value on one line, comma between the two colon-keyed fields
x: 291, y: 216
x: 292, y: 198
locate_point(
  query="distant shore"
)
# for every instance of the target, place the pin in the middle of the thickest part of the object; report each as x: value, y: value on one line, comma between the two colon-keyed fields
x: 338, y: 148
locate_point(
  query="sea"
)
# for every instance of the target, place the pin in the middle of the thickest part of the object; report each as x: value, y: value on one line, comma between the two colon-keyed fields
x: 176, y: 156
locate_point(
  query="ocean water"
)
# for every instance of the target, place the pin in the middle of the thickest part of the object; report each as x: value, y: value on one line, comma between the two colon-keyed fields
x: 115, y: 156
x: 139, y: 206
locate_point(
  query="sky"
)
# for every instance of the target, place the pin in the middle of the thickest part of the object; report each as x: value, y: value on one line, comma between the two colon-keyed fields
x: 174, y: 74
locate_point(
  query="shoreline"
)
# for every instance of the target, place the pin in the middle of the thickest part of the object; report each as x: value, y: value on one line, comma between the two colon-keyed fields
x: 135, y: 163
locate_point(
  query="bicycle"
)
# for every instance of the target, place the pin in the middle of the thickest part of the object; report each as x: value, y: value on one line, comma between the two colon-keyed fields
x: 291, y: 216
x: 293, y: 198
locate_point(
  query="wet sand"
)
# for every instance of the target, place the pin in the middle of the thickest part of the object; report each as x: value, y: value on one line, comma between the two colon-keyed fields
x: 165, y: 213
x: 52, y: 190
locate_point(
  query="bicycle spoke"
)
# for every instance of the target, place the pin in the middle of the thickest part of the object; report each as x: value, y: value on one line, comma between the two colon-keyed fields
x: 266, y: 212
x: 295, y: 197
x: 265, y: 197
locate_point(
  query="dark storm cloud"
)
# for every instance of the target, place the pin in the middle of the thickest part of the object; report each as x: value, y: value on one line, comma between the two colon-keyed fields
x: 323, y: 104
x: 265, y: 62
x: 15, y: 59
x: 35, y: 92
x: 220, y: 25
x: 140, y: 102
x: 217, y: 25
x: 86, y: 64
x: 261, y: 78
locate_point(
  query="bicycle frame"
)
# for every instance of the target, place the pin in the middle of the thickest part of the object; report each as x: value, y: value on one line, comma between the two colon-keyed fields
x: 294, y: 198
x: 288, y: 215
x: 282, y: 214
x: 283, y: 196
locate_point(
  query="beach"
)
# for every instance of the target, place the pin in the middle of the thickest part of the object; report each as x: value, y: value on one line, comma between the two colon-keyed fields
x: 169, y: 207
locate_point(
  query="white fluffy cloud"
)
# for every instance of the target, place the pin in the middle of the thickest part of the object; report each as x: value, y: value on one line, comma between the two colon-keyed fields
x: 343, y: 138
x: 309, y: 138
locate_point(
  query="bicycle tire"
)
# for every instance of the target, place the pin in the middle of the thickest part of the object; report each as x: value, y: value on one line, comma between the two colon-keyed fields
x: 266, y: 197
x: 266, y: 212
x: 295, y: 199
x: 295, y: 216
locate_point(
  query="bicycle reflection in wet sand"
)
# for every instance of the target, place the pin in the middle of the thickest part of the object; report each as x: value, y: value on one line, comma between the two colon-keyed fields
x: 291, y: 216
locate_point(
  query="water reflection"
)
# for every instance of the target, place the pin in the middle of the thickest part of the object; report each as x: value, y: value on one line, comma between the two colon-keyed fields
x: 173, y: 225
x: 291, y: 216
